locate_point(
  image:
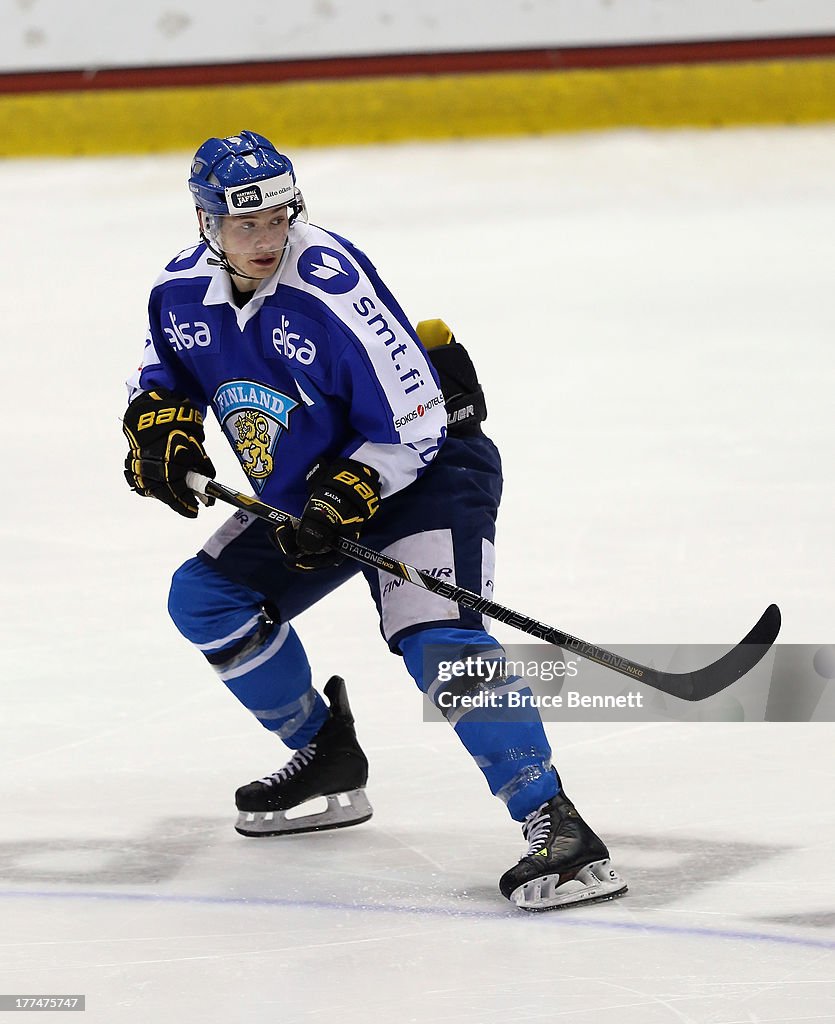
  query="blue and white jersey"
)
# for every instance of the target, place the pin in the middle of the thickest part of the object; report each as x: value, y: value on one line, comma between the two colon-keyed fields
x: 321, y: 362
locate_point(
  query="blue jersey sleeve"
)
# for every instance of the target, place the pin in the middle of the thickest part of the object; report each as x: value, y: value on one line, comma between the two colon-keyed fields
x: 159, y: 367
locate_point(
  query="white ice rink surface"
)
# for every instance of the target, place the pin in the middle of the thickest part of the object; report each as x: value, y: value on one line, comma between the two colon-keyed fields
x: 652, y: 318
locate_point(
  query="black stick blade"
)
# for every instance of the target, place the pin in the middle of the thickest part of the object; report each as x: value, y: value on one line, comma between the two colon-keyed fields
x: 712, y: 679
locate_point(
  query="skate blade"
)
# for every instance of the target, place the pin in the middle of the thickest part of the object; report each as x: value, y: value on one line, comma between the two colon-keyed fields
x: 343, y: 809
x: 594, y: 883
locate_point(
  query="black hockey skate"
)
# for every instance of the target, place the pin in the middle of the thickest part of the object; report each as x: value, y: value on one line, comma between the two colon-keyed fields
x: 565, y: 863
x: 332, y: 765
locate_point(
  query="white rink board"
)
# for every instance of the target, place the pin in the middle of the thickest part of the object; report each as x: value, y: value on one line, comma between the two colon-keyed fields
x: 54, y: 34
x: 665, y: 301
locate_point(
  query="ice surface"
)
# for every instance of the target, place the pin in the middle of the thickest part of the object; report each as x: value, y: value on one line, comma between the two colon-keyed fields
x: 652, y: 318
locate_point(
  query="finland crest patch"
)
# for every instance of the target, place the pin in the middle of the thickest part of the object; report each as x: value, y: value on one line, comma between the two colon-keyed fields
x: 254, y: 418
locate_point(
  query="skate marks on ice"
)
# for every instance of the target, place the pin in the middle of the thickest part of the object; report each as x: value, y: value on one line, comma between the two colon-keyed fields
x: 667, y: 869
x: 206, y: 851
x: 375, y: 908
x: 364, y: 869
x: 824, y: 919
x: 163, y: 853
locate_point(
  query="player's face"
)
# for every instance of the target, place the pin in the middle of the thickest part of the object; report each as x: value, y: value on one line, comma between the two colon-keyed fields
x: 254, y: 242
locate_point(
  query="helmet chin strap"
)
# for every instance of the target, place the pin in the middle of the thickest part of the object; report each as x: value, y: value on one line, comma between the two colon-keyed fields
x: 223, y: 261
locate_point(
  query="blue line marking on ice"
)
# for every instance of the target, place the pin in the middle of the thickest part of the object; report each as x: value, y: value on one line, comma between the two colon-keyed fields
x: 559, y: 919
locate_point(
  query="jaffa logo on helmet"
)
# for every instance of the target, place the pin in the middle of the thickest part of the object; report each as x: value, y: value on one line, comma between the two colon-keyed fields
x: 246, y: 198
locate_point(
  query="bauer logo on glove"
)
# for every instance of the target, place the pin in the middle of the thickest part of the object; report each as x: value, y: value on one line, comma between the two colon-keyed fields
x: 166, y: 442
x: 182, y: 413
x: 344, y: 495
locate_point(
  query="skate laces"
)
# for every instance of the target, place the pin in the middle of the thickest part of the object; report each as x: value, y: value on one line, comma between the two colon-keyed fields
x: 302, y: 757
x: 536, y: 828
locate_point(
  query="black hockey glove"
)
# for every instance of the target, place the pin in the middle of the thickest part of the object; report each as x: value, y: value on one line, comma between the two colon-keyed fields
x: 166, y: 441
x: 463, y: 396
x: 344, y: 495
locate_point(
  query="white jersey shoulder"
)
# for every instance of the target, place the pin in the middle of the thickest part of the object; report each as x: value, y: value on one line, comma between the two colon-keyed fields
x: 323, y: 267
x: 190, y: 263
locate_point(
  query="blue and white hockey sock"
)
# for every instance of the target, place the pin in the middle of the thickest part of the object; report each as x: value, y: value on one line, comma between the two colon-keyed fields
x: 262, y: 663
x: 509, y: 746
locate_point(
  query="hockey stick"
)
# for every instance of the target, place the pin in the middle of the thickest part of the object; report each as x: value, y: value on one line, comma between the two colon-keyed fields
x: 695, y: 685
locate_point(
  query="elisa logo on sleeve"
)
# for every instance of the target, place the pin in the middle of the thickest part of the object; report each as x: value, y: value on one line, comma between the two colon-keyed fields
x: 328, y: 270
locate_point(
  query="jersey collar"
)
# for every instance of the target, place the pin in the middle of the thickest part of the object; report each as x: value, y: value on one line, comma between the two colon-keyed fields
x: 220, y: 291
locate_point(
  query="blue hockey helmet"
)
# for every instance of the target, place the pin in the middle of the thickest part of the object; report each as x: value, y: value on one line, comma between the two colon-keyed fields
x: 243, y: 173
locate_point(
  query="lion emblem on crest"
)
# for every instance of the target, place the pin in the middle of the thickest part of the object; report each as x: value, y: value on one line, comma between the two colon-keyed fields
x: 253, y: 444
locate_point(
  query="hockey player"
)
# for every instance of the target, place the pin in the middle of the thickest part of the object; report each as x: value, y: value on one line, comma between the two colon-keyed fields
x: 343, y: 416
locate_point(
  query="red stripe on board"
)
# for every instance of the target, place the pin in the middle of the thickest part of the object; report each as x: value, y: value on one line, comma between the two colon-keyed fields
x: 564, y: 59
